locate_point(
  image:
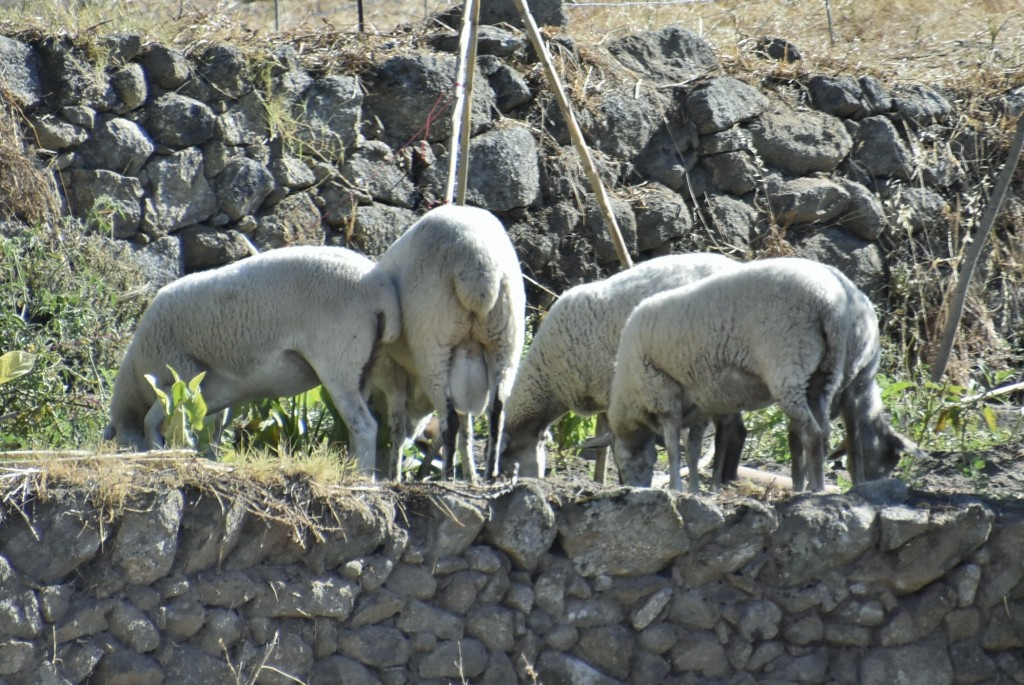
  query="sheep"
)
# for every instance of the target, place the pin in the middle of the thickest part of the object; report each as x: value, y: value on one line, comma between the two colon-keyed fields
x: 570, y: 361
x: 463, y: 304
x: 786, y: 330
x: 271, y: 325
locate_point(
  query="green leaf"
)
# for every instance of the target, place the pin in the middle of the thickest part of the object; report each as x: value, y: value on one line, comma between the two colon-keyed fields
x: 990, y: 419
x: 193, y: 385
x: 15, y: 364
x: 160, y: 394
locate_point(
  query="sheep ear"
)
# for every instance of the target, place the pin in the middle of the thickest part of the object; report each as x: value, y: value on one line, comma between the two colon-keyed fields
x: 597, y: 441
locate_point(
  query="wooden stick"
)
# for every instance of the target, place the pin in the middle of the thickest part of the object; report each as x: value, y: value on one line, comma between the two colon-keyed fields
x: 576, y: 134
x: 956, y: 307
x: 462, y: 113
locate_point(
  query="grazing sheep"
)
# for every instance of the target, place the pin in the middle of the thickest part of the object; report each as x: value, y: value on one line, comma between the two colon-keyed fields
x: 789, y: 331
x: 463, y: 312
x: 272, y: 325
x: 571, y: 358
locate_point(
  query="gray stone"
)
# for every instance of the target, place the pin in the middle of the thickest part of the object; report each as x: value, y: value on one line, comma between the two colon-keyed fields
x: 621, y: 125
x: 242, y: 186
x: 181, y: 618
x: 133, y: 628
x: 561, y: 637
x: 757, y: 620
x: 288, y: 662
x: 847, y: 635
x: 123, y: 666
x: 404, y: 90
x: 860, y: 260
x: 292, y: 173
x: 209, y: 532
x: 204, y: 248
x: 900, y: 525
x: 376, y: 607
x: 622, y: 532
x: 817, y: 534
x: 418, y: 617
x: 661, y: 216
x: 800, y: 143
x: 733, y: 172
x: 919, y: 210
x: 377, y: 646
x: 144, y: 546
x: 510, y: 89
x: 952, y: 536
x: 591, y: 613
x: 864, y: 215
x: 777, y: 48
x: 109, y: 201
x: 331, y: 112
x: 225, y: 69
x: 295, y: 220
x: 701, y: 653
x: 179, y: 193
x: 454, y: 659
x: 651, y: 609
x: 19, y: 72
x: 920, y: 104
x: 87, y: 617
x: 557, y: 668
x: 742, y: 536
x: 880, y: 151
x: 180, y: 121
x: 80, y: 115
x: 722, y: 102
x: 669, y: 157
x: 668, y: 55
x: 520, y: 597
x: 807, y: 668
x: 808, y: 200
x: 412, y: 581
x: 919, y: 616
x: 186, y: 665
x: 595, y: 229
x: 166, y: 67
x: 339, y: 669
x: 327, y: 596
x: 227, y: 589
x: 15, y: 655
x: 52, y: 133
x: 59, y: 541
x: 926, y: 662
x: 609, y: 648
x: 128, y: 88
x: 840, y: 96
x: 117, y: 145
x: 970, y: 663
x: 221, y: 632
x: 544, y: 13
x: 523, y: 526
x: 733, y: 220
x: 804, y: 630
x: 494, y: 627
x: 657, y: 638
x: 244, y: 122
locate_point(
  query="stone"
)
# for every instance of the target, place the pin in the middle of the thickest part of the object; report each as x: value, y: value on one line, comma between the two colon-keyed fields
x: 225, y: 589
x: 203, y: 248
x: 244, y: 121
x: 920, y: 104
x: 544, y: 13
x: 179, y: 193
x: 19, y: 72
x: 800, y: 143
x: 840, y: 96
x: 15, y: 655
x: 117, y: 145
x: 494, y: 627
x: 124, y: 666
x: 209, y: 532
x: 133, y: 628
x: 900, y: 525
x: 52, y: 133
x: 221, y: 632
x: 225, y: 68
x: 860, y: 260
x: 590, y: 613
x: 722, y: 102
x: 736, y: 173
x: 418, y: 617
x: 110, y: 203
x: 522, y: 525
x: 327, y: 596
x: 186, y: 665
x: 181, y: 618
x: 339, y: 669
x: 87, y: 617
x: 622, y: 532
x: 558, y: 667
x: 60, y: 540
x: 595, y: 229
x: 734, y: 221
x: 180, y: 121
x: 451, y: 659
x: 880, y: 151
x: 808, y: 200
x: 295, y: 220
x: 331, y: 112
x: 510, y: 89
x: 609, y: 648
x: 166, y: 67
x: 817, y: 534
x: 919, y: 210
x: 668, y: 55
x: 661, y: 216
x: 128, y: 89
x: 646, y: 614
x: 758, y: 620
x: 743, y: 535
x: 289, y: 661
x: 292, y: 173
x: 412, y: 581
x: 804, y: 630
x: 620, y: 124
x: 777, y: 48
x: 864, y: 215
x: 376, y: 646
x: 242, y: 186
x: 376, y: 227
x: 146, y: 541
x: 926, y: 662
x: 702, y: 654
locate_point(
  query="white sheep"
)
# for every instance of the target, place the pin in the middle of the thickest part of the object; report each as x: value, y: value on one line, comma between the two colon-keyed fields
x: 463, y: 311
x: 787, y: 330
x: 569, y: 364
x: 272, y: 325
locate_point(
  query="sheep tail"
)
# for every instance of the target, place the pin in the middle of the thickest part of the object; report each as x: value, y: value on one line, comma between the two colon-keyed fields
x: 389, y: 314
x: 477, y: 287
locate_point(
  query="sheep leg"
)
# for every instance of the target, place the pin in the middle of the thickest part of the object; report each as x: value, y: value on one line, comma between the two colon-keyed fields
x: 730, y: 434
x: 670, y: 432
x: 601, y: 464
x: 449, y: 428
x: 495, y: 425
x: 796, y: 458
x: 694, y: 446
x: 465, y: 446
x: 153, y: 437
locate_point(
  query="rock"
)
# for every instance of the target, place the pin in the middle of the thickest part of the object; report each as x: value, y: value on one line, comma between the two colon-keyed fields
x: 622, y: 532
x: 733, y: 220
x: 723, y: 102
x: 918, y: 210
x: 133, y: 628
x: 880, y: 151
x: 523, y: 526
x: 19, y: 72
x: 817, y: 534
x: 124, y: 666
x: 646, y: 614
x: 291, y: 173
x: 180, y: 121
x: 376, y: 227
x: 331, y: 111
x: 225, y: 69
x: 109, y: 201
x: 595, y: 229
x: 339, y: 669
x: 900, y: 525
x: 864, y: 216
x: 116, y: 144
x: 661, y: 216
x: 418, y: 617
x: 289, y: 661
x: 733, y: 172
x: 462, y: 659
x: 293, y: 221
x: 166, y: 67
x: 15, y: 655
x: 776, y: 48
x: 384, y: 175
x: 376, y: 646
x: 544, y: 13
x: 700, y: 653
x: 800, y: 143
x: 405, y: 89
x: 808, y: 200
x: 840, y: 96
x: 669, y: 156
x: 621, y: 125
x: 209, y: 532
x: 242, y: 187
x: 928, y: 662
x: 668, y: 55
x: 608, y: 648
x: 186, y: 665
x: 181, y: 618
x: 52, y: 133
x: 412, y: 581
x: 67, y: 76
x: 920, y: 104
x: 88, y: 617
x: 180, y: 195
x: 128, y: 89
x: 494, y: 627
x: 860, y: 260
x: 327, y: 596
x: 203, y: 248
x: 61, y: 539
x: 739, y: 539
x: 244, y: 121
x: 510, y: 89
x: 559, y: 668
x: 144, y: 545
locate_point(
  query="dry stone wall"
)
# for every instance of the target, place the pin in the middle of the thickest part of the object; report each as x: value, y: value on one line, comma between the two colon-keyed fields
x: 424, y: 584
x: 194, y: 159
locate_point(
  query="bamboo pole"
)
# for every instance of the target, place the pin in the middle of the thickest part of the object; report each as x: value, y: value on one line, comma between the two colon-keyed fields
x: 577, y: 136
x: 956, y: 307
x: 462, y: 113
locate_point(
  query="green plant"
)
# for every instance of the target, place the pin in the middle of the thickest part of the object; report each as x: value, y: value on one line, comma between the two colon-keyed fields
x: 572, y: 429
x: 185, y: 424
x: 15, y: 364
x: 292, y: 424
